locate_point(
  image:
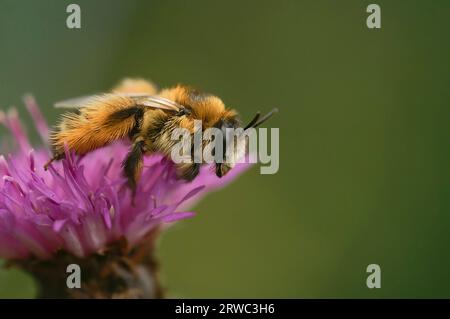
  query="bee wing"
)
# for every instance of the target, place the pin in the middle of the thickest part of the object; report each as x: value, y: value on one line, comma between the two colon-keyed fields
x: 141, y: 99
x: 75, y: 102
x: 159, y: 103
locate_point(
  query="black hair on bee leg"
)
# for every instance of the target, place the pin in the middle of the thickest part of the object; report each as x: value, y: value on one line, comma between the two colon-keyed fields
x: 189, y: 172
x: 55, y: 157
x: 132, y: 166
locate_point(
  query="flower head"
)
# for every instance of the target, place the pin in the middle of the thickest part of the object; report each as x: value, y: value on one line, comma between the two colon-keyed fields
x: 82, y: 204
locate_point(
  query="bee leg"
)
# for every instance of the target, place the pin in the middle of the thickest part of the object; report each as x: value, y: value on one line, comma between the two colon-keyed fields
x: 188, y: 171
x: 56, y: 157
x: 132, y: 166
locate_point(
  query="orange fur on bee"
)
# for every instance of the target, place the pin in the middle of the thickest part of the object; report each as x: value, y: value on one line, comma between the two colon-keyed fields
x: 205, y: 107
x: 93, y: 128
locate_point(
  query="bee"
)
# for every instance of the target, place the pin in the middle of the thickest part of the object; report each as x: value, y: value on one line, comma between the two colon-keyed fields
x: 137, y: 111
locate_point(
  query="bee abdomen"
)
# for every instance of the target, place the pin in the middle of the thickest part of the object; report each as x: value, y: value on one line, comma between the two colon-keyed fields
x: 107, y: 118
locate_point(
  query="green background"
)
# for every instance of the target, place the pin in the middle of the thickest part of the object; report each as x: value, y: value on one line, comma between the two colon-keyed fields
x: 363, y: 124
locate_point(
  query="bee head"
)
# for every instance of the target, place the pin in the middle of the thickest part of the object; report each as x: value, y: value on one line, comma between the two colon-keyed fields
x: 236, y: 150
x: 230, y: 150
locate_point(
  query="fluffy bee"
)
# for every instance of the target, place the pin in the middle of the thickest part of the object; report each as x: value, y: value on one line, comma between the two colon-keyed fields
x: 135, y: 110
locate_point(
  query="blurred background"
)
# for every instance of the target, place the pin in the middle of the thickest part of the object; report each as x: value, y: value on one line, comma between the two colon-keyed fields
x: 363, y: 121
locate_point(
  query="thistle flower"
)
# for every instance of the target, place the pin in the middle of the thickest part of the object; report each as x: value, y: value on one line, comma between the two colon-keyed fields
x: 81, y: 211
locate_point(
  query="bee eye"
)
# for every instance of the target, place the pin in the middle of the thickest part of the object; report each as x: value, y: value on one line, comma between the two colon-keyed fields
x: 228, y: 123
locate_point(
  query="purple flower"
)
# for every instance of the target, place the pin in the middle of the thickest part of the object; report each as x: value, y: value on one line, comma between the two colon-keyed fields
x: 82, y: 204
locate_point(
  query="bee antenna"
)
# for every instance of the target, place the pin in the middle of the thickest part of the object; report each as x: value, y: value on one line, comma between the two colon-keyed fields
x: 252, y: 122
x: 265, y: 118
